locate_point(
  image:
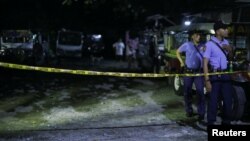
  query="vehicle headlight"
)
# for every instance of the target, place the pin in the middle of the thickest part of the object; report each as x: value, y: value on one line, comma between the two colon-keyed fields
x: 2, y: 52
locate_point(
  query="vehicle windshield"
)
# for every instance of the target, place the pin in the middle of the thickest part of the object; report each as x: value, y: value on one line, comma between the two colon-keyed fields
x: 70, y: 38
x: 16, y: 36
x: 16, y: 39
x: 160, y: 42
x: 180, y: 38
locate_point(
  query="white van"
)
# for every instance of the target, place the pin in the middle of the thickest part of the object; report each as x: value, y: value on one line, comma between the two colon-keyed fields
x: 69, y: 44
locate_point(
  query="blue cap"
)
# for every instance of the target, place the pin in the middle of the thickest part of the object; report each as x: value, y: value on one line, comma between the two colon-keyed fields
x: 219, y: 25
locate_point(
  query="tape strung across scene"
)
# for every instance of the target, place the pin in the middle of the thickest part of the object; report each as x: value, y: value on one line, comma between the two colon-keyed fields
x: 116, y: 74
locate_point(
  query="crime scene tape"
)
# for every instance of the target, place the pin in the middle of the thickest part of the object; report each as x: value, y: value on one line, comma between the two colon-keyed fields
x: 115, y: 74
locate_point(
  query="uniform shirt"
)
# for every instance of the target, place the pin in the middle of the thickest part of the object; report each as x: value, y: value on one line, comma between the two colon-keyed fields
x: 193, y: 58
x: 217, y: 58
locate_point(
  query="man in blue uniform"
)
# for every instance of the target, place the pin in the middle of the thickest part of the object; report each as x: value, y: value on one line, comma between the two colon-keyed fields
x: 193, y: 64
x: 215, y: 56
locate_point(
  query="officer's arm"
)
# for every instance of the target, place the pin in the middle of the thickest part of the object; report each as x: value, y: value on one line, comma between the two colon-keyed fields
x: 207, y: 81
x: 205, y: 68
x: 178, y: 55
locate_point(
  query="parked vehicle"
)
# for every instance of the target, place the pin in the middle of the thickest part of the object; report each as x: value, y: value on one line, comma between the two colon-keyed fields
x: 145, y: 52
x: 69, y: 44
x: 160, y: 57
x: 22, y: 46
x: 94, y: 46
x: 151, y: 52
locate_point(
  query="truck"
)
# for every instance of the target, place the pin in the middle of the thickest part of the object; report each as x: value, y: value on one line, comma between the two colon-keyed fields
x: 22, y: 46
x: 239, y: 36
x: 94, y: 47
x: 151, y: 52
x: 69, y: 44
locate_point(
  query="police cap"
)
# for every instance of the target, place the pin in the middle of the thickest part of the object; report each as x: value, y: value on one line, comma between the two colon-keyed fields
x: 195, y: 31
x: 219, y: 25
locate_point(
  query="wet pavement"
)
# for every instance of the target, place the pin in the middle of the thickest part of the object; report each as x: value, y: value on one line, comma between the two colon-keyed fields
x: 37, y: 106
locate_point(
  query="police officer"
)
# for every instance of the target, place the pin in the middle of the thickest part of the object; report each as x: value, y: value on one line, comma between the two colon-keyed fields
x: 215, y: 57
x: 193, y: 64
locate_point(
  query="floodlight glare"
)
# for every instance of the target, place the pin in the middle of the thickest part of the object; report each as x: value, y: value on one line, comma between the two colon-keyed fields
x: 187, y: 23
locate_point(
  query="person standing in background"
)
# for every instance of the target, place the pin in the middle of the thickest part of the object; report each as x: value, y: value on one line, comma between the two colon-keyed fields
x: 132, y: 47
x: 119, y: 49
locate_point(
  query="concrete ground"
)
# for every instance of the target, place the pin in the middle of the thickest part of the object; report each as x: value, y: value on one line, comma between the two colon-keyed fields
x: 37, y: 106
x: 171, y: 132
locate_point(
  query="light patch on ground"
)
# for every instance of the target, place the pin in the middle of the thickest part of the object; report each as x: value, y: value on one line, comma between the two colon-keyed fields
x: 61, y: 115
x: 122, y: 86
x: 109, y: 95
x: 21, y: 109
x: 10, y: 120
x: 33, y: 91
x: 104, y: 86
x: 12, y: 123
x: 7, y: 114
x: 40, y: 104
x: 119, y: 106
x: 29, y: 86
x: 52, y: 83
x: 109, y: 113
x: 146, y: 97
x: 64, y: 94
x: 135, y: 91
x: 132, y: 120
x: 18, y: 91
x: 10, y: 104
x: 112, y: 80
x: 85, y: 89
x: 115, y: 79
x: 145, y: 82
x: 113, y: 94
x: 48, y: 92
x: 185, y: 130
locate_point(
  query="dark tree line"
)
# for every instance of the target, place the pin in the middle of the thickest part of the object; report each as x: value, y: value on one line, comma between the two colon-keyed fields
x: 112, y: 13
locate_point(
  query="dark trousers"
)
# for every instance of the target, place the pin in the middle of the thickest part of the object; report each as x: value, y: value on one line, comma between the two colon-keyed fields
x: 221, y: 92
x: 199, y: 85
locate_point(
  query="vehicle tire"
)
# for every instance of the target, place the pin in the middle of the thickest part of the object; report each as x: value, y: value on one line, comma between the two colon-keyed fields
x: 178, y: 85
x: 239, y: 100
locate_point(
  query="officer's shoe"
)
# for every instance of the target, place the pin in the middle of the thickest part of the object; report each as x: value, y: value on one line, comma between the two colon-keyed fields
x: 202, y: 124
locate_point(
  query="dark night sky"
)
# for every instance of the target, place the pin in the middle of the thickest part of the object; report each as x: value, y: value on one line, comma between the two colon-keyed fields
x: 52, y: 14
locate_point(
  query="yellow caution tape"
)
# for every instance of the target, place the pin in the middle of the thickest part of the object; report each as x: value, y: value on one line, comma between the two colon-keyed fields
x: 116, y: 74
